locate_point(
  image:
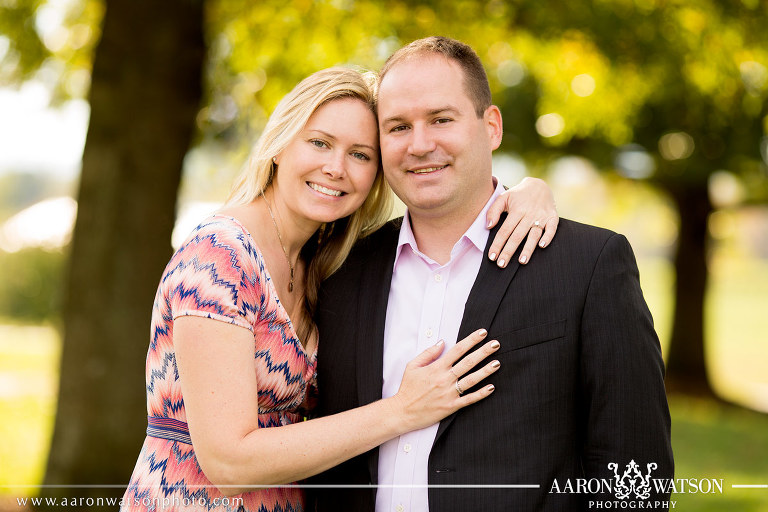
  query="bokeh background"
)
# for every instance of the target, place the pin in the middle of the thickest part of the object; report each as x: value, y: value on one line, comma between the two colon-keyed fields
x: 123, y: 122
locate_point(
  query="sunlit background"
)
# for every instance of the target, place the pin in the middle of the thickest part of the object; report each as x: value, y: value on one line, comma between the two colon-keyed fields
x: 593, y: 111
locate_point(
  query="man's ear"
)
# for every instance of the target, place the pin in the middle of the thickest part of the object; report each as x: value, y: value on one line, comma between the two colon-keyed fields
x: 494, y: 125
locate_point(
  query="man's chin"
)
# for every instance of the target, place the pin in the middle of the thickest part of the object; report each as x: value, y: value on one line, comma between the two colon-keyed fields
x: 429, y: 206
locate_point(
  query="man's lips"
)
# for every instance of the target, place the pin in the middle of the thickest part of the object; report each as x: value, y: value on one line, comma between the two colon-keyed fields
x: 427, y: 170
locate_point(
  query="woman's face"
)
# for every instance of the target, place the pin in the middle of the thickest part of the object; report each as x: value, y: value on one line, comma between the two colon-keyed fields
x: 326, y: 172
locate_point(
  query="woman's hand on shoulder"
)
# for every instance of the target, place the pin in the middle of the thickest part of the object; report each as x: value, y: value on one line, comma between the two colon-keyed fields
x: 531, y: 211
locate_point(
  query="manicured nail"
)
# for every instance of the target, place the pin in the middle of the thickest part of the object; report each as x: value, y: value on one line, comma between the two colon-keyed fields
x: 490, y: 388
x: 523, y: 259
x: 482, y: 332
x: 502, y: 263
x: 492, y: 256
x: 495, y: 344
x: 495, y: 364
x: 490, y: 223
x: 542, y: 244
x: 440, y: 343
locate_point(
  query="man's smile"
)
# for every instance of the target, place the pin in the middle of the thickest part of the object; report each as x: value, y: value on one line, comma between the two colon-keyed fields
x: 427, y: 170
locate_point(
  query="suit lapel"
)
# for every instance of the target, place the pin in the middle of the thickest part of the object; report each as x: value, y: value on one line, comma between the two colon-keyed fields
x: 373, y: 297
x: 484, y: 299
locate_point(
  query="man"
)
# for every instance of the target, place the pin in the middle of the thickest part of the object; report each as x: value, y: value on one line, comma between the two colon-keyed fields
x: 581, y: 380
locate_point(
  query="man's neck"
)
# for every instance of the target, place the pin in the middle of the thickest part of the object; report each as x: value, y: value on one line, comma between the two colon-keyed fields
x: 437, y: 233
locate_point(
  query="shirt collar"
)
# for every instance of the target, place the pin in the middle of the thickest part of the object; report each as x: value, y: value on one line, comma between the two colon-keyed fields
x: 477, y: 233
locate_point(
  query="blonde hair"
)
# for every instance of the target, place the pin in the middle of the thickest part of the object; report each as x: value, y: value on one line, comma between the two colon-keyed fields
x: 324, y: 253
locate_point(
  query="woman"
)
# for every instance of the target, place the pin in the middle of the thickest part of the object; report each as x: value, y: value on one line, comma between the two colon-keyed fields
x: 233, y: 347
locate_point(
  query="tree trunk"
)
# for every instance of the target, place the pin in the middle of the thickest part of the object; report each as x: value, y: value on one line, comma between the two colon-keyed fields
x: 145, y: 93
x: 686, y: 365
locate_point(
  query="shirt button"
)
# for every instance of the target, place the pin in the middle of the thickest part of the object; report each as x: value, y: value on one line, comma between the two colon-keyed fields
x: 407, y: 447
x: 399, y: 508
x: 438, y: 277
x: 429, y: 333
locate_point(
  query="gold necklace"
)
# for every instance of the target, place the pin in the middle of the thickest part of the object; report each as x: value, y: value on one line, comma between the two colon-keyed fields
x: 285, y: 251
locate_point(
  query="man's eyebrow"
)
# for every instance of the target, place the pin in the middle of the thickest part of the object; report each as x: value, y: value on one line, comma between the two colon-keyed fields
x: 332, y: 137
x: 435, y: 111
x: 441, y: 110
x: 393, y: 119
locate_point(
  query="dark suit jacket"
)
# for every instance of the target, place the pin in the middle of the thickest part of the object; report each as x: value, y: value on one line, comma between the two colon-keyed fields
x: 580, y: 385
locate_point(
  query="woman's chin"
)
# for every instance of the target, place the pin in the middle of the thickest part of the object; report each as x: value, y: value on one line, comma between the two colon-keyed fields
x: 331, y: 212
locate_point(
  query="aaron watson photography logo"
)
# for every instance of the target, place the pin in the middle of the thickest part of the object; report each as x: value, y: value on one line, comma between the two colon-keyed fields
x: 632, y: 482
x: 633, y: 486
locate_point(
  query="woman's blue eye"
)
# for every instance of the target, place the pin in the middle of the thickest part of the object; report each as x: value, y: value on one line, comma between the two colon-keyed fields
x: 361, y: 156
x: 318, y: 143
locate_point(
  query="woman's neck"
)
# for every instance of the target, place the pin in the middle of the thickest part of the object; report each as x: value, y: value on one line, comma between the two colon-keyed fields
x: 290, y: 230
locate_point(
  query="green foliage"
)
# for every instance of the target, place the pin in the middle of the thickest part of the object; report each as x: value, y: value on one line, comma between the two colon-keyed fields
x: 25, y: 51
x: 699, y: 69
x: 603, y: 73
x: 53, y: 46
x: 31, y: 284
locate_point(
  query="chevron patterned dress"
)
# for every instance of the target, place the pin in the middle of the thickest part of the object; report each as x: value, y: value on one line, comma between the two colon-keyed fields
x: 217, y: 273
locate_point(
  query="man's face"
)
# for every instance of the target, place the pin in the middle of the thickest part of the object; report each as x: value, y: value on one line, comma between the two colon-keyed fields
x: 435, y: 151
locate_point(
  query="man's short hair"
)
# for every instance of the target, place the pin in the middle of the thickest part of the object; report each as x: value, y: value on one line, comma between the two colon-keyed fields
x: 475, y: 78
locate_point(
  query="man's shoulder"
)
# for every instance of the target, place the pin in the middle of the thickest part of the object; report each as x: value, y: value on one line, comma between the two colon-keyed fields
x: 383, y: 239
x: 367, y: 251
x: 385, y: 236
x: 577, y: 243
x: 576, y: 240
x: 588, y: 233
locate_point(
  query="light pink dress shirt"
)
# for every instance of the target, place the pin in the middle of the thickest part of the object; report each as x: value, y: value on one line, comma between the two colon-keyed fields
x: 426, y: 304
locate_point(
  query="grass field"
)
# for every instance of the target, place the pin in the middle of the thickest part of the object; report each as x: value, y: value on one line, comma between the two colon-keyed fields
x: 710, y: 440
x: 29, y: 359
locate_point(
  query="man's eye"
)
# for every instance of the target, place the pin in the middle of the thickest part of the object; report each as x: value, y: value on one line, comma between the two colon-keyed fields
x: 398, y: 128
x: 443, y: 120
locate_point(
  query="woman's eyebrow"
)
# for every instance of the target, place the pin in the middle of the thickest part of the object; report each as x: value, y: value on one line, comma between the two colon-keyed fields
x: 332, y: 137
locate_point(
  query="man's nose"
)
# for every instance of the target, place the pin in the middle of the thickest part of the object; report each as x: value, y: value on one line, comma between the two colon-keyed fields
x: 421, y: 141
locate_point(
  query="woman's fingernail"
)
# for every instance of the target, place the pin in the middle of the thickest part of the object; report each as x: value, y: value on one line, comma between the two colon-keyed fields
x: 542, y: 244
x: 495, y: 344
x: 492, y: 256
x: 440, y: 343
x: 495, y: 364
x: 482, y: 332
x: 523, y: 259
x: 490, y: 387
x: 490, y: 223
x: 501, y: 263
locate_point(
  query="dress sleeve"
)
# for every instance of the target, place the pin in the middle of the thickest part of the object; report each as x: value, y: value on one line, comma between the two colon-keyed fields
x: 216, y: 274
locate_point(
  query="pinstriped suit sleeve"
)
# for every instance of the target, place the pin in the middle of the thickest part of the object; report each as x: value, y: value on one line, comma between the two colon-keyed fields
x: 622, y: 373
